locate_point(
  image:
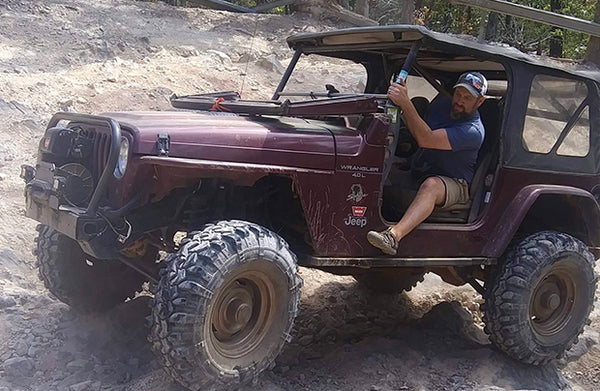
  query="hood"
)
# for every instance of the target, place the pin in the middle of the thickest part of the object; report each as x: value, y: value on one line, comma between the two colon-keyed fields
x: 285, y: 141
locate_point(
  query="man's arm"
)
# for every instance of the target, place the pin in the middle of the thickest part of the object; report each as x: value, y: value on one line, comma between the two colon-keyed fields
x: 423, y: 134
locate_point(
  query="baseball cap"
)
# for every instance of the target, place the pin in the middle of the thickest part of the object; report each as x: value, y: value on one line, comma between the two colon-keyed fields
x: 475, y: 82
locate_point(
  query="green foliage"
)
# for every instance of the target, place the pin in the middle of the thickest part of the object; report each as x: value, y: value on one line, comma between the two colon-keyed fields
x: 441, y: 15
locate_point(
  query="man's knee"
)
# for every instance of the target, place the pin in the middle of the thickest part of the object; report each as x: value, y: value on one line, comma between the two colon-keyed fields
x: 434, y: 186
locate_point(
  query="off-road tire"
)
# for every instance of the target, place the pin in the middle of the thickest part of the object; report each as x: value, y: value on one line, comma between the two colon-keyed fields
x: 540, y: 297
x: 390, y: 282
x: 192, y: 332
x: 64, y: 269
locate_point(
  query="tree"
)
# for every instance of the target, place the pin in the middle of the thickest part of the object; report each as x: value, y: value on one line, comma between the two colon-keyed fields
x: 406, y: 11
x: 593, y: 48
x: 332, y: 10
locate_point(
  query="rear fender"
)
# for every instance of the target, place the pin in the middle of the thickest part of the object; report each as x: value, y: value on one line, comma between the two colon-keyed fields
x: 586, y: 217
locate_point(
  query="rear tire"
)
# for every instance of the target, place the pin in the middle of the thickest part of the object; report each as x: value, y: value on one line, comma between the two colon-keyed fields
x: 225, y: 305
x: 540, y: 299
x: 96, y: 286
x: 390, y: 282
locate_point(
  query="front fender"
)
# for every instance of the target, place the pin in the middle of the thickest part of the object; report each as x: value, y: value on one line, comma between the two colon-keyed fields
x: 517, y: 210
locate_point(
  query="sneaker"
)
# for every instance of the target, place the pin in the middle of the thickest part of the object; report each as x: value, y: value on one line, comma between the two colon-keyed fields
x: 384, y: 241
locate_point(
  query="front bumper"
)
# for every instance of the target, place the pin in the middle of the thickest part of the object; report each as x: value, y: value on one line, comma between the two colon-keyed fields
x: 43, y: 202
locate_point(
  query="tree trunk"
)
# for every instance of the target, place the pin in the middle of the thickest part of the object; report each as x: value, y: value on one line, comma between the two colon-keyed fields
x: 326, y: 9
x: 361, y: 7
x: 491, y: 31
x: 556, y: 40
x: 593, y: 49
x: 406, y: 11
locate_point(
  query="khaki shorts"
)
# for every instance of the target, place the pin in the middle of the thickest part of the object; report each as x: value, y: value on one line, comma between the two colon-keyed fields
x: 457, y: 191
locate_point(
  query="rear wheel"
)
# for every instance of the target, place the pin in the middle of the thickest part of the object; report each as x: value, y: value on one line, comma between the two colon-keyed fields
x: 76, y: 279
x: 225, y: 305
x: 541, y: 297
x: 390, y: 281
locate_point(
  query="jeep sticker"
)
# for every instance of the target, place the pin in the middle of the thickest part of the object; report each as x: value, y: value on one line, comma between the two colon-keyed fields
x: 355, y: 221
x: 357, y: 193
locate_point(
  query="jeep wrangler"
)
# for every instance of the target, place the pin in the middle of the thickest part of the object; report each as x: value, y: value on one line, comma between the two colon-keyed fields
x: 257, y: 189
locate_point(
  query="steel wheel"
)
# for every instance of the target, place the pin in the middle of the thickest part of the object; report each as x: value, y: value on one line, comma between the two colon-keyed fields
x: 556, y: 302
x: 242, y: 315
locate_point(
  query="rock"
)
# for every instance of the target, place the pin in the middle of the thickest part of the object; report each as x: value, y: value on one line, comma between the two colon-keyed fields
x: 19, y: 106
x: 271, y: 63
x: 18, y: 367
x: 33, y: 351
x: 587, y: 339
x: 21, y: 348
x: 6, y: 302
x: 83, y: 386
x: 224, y: 57
x: 453, y: 317
x: 306, y: 340
x: 66, y: 102
x: 81, y: 100
x: 77, y: 365
x: 187, y: 51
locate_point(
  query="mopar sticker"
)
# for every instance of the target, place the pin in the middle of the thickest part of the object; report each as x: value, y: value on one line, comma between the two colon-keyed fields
x: 359, y: 211
x: 357, y: 193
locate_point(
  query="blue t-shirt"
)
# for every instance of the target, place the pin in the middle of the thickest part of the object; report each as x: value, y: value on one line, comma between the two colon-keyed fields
x: 465, y: 136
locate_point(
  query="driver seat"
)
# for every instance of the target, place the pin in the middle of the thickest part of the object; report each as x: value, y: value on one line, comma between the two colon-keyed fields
x: 491, y: 116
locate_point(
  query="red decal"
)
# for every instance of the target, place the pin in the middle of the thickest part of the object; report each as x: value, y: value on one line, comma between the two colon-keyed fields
x: 359, y: 211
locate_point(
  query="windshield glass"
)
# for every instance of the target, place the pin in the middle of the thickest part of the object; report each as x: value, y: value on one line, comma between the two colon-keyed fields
x: 313, y: 72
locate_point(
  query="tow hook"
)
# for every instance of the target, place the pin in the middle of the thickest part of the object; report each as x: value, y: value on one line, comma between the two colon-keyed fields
x: 27, y: 173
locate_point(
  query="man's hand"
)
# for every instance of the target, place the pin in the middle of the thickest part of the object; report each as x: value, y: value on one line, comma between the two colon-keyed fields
x: 398, y: 93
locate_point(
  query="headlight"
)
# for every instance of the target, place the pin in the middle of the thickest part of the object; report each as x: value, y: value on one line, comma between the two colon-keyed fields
x: 123, y: 156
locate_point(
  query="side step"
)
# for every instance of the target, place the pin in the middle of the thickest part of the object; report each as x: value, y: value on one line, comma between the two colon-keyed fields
x: 381, y: 262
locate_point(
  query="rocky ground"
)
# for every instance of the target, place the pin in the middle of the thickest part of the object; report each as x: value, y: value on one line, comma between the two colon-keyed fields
x: 91, y: 57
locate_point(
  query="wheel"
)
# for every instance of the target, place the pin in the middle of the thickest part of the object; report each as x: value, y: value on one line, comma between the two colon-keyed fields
x: 76, y: 279
x: 390, y: 281
x: 540, y: 298
x: 225, y: 305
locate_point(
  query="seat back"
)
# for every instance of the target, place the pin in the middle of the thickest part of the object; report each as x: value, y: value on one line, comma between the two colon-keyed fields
x: 491, y: 117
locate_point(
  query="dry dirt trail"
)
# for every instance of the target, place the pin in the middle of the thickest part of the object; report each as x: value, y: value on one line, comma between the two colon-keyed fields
x: 108, y: 55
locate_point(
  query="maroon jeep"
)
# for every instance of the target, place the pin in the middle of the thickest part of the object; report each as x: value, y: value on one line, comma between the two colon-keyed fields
x: 260, y: 188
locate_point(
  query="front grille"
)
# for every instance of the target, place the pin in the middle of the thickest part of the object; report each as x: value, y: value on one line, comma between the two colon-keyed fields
x: 100, y: 153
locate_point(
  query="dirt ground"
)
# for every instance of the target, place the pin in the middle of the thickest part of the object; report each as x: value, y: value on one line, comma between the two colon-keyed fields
x: 109, y: 55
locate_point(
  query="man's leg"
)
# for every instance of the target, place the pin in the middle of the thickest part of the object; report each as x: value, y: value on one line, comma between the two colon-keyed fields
x: 432, y: 192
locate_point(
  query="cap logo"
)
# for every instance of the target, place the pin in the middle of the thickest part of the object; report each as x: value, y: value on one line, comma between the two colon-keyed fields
x: 475, y: 81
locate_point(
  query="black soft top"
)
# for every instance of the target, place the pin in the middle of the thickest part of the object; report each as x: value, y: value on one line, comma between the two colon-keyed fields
x: 395, y: 40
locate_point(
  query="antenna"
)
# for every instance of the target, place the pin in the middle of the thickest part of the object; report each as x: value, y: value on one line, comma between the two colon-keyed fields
x: 249, y: 54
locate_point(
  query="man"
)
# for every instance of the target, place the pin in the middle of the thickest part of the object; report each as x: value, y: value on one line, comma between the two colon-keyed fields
x: 450, y: 139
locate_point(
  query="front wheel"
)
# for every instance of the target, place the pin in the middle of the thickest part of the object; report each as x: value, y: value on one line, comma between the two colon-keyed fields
x: 84, y: 283
x: 225, y: 305
x: 541, y: 297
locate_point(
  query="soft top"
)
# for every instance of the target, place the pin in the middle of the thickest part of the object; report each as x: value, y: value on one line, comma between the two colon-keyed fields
x: 397, y: 39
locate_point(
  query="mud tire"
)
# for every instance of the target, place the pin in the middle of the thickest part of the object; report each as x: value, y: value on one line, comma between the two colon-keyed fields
x: 523, y: 318
x: 186, y: 326
x: 390, y: 282
x: 63, y: 268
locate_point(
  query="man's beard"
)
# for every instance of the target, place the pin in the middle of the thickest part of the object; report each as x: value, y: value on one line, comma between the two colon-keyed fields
x: 460, y: 115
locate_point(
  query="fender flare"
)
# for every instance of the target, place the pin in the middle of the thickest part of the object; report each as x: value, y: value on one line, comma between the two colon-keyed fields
x: 516, y: 211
